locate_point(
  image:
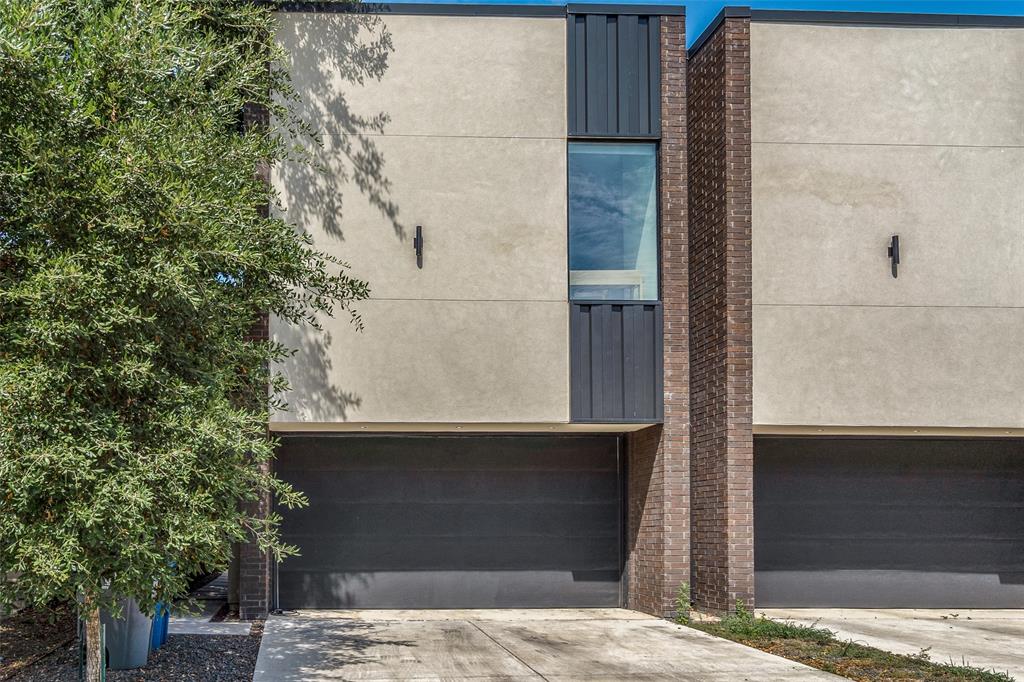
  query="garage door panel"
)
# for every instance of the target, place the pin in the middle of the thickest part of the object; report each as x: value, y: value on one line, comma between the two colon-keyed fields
x: 508, y: 485
x: 454, y: 518
x: 428, y: 589
x: 886, y: 483
x: 914, y: 522
x: 963, y: 554
x: 452, y: 522
x: 872, y: 522
x: 455, y: 554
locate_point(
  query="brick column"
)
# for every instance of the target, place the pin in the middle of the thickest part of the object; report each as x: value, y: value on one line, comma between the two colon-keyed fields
x: 658, y: 538
x: 254, y: 565
x: 720, y: 304
x: 254, y: 574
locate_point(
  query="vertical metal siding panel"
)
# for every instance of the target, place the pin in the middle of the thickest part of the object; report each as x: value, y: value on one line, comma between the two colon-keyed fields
x: 612, y: 71
x: 612, y: 355
x: 654, y: 120
x: 597, y: 340
x: 587, y: 339
x: 616, y: 363
x: 605, y: 359
x: 645, y: 361
x: 579, y: 123
x: 630, y: 357
x: 628, y: 73
x: 576, y: 375
x: 613, y: 393
x: 659, y: 362
x: 597, y: 73
x: 614, y: 77
x: 641, y: 362
x: 643, y: 76
x: 572, y: 74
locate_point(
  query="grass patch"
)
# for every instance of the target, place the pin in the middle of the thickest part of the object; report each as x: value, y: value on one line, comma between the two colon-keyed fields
x: 819, y: 648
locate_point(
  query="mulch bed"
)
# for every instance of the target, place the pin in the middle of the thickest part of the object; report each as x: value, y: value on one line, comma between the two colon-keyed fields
x: 31, y: 634
x: 39, y: 648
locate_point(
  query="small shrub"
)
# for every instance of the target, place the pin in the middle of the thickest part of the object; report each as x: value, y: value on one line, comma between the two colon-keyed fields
x: 683, y: 604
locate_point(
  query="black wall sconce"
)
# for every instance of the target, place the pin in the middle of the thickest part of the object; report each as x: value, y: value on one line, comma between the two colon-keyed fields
x: 894, y: 254
x: 417, y: 245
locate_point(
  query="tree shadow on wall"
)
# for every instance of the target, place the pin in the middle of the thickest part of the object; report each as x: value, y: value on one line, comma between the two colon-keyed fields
x: 314, y: 396
x: 330, y: 53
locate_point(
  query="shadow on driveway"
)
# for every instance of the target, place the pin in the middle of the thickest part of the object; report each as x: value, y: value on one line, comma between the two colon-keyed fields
x: 555, y: 645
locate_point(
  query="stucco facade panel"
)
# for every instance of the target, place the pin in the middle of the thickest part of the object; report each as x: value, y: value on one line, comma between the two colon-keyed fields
x: 887, y: 84
x: 493, y: 212
x: 431, y: 361
x: 859, y: 133
x: 823, y: 216
x: 888, y: 366
x: 443, y: 75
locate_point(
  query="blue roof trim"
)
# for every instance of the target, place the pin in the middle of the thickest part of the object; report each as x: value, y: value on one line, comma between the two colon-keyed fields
x: 800, y: 16
x: 885, y: 18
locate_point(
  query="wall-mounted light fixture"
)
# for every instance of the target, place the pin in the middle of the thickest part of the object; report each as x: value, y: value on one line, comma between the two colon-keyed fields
x: 894, y: 254
x: 417, y: 245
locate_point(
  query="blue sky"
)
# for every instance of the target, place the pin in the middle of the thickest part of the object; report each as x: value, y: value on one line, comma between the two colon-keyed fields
x: 700, y: 12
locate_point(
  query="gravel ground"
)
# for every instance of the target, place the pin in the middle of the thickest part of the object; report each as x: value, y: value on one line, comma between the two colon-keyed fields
x: 193, y: 658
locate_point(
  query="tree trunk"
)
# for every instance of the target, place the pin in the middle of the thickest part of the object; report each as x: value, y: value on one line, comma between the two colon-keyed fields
x: 93, y: 645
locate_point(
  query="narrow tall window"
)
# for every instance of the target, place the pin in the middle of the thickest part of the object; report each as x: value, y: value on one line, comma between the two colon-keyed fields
x: 613, y: 221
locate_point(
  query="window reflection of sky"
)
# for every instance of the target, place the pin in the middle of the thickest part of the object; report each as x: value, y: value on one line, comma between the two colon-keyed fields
x: 612, y: 216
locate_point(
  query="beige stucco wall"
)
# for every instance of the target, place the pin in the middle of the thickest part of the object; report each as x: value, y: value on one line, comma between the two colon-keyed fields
x: 859, y: 133
x: 471, y: 147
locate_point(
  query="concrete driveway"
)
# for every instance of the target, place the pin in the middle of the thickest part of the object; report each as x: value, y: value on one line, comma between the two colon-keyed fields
x: 991, y: 639
x: 556, y: 645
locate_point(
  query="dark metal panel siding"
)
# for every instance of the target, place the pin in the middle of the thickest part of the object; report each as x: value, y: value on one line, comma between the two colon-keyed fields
x: 873, y: 522
x: 614, y: 75
x: 616, y: 362
x: 452, y: 522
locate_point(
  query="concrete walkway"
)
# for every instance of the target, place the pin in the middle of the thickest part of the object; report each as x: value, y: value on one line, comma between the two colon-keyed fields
x: 557, y: 645
x: 992, y: 639
x: 211, y: 598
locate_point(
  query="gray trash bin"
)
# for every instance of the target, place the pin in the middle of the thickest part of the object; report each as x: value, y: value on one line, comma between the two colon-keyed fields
x: 127, y: 636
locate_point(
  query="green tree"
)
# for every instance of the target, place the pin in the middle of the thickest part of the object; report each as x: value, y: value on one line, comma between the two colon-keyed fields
x: 136, y: 256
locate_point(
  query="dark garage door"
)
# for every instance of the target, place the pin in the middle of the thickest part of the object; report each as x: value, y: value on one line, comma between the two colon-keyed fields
x: 926, y: 523
x: 452, y: 522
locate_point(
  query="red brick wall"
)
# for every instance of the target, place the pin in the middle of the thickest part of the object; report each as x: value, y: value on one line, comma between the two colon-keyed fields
x: 720, y: 307
x: 658, y: 541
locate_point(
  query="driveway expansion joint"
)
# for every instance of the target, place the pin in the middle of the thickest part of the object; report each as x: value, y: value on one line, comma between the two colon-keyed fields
x: 507, y: 650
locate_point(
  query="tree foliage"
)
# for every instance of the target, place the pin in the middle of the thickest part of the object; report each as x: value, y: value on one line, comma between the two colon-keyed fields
x: 136, y: 256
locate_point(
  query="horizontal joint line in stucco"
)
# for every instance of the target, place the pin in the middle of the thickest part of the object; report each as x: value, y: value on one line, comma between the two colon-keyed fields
x: 879, y: 305
x: 887, y: 144
x: 472, y: 300
x: 335, y: 133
